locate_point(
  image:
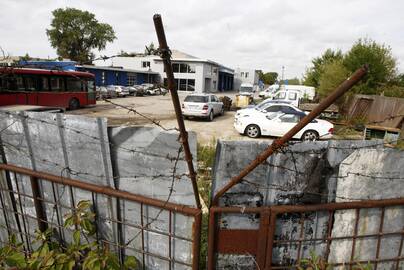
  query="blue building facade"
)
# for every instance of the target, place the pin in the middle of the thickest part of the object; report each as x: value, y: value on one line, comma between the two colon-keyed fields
x: 225, y: 80
x: 52, y: 65
x: 119, y: 76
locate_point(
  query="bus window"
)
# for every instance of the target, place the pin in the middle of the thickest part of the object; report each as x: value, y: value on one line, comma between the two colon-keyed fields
x: 20, y: 83
x: 31, y: 83
x: 45, y: 83
x: 73, y: 84
x: 90, y: 86
x: 56, y: 84
x: 7, y: 83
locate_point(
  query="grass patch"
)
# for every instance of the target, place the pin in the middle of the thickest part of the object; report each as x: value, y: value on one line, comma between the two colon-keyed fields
x: 206, y: 158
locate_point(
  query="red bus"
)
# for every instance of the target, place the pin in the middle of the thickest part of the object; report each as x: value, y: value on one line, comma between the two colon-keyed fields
x: 28, y: 86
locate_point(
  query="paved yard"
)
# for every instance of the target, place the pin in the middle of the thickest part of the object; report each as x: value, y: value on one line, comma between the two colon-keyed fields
x: 161, y: 109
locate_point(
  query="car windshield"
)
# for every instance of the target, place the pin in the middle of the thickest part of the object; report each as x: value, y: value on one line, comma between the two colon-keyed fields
x: 197, y: 99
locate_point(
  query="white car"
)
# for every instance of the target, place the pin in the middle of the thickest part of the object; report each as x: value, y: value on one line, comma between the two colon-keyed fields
x: 121, y: 91
x: 202, y: 105
x: 255, y: 124
x: 269, y: 107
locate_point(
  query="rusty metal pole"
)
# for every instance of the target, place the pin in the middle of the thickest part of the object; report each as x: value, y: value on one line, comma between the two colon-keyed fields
x: 166, y: 56
x: 39, y: 209
x: 341, y: 89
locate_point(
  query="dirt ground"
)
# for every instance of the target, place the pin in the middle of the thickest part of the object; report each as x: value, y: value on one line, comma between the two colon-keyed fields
x: 160, y: 109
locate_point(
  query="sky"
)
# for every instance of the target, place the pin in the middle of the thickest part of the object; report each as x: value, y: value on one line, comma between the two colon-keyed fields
x: 254, y: 34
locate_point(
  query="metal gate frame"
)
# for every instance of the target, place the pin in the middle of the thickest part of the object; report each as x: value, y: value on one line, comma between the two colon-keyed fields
x: 260, y: 243
x: 36, y: 177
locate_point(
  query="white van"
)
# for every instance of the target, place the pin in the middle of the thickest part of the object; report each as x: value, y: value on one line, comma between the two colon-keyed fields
x: 246, y: 89
x: 306, y: 91
x: 288, y: 96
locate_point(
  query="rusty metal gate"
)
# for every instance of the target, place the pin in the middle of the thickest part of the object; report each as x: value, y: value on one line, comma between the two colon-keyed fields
x: 16, y: 205
x: 335, y: 249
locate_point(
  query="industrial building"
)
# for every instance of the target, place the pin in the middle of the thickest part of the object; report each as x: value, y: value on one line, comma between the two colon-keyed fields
x: 243, y: 75
x: 191, y: 73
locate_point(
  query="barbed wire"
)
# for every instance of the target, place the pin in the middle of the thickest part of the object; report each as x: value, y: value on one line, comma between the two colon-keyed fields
x: 95, y: 138
x: 131, y: 109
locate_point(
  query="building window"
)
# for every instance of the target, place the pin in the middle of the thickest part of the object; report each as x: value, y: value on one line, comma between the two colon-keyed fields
x: 116, y: 78
x: 183, y: 68
x: 184, y: 84
x: 246, y: 74
x: 214, y: 85
x: 131, y: 79
x: 215, y: 70
x: 146, y: 64
x: 242, y: 74
x: 191, y: 85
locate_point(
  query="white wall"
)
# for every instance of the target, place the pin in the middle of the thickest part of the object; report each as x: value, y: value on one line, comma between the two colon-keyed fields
x: 202, y: 70
x: 252, y: 77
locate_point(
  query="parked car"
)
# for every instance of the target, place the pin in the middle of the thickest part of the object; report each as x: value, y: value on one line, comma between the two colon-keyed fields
x: 202, y: 105
x: 105, y: 92
x: 136, y: 90
x: 257, y: 123
x: 121, y: 91
x: 269, y: 107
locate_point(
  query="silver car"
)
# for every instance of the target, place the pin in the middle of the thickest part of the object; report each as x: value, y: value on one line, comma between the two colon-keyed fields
x: 202, y: 105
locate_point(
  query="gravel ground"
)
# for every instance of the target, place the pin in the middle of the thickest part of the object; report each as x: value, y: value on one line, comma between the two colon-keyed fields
x: 160, y: 109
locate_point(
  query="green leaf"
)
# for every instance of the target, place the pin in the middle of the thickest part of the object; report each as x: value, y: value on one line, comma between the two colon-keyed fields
x: 16, y: 259
x: 69, y: 222
x: 83, y: 205
x: 76, y: 238
x: 130, y: 262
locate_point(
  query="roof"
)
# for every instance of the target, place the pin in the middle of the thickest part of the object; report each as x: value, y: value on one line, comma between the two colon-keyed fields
x: 118, y: 69
x: 15, y: 70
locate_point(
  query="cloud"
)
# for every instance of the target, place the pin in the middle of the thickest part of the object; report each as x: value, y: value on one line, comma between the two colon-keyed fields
x: 253, y: 34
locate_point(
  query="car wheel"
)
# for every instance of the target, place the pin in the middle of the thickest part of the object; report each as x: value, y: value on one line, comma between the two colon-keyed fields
x: 210, y: 117
x: 74, y: 104
x: 310, y: 135
x: 252, y: 131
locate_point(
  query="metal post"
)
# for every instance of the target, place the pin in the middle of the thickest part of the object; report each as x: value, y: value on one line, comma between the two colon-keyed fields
x: 166, y: 55
x: 277, y: 144
x: 40, y: 211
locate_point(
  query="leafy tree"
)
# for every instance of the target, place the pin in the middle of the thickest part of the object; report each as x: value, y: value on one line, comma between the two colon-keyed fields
x: 128, y: 54
x: 26, y: 57
x: 74, y: 33
x: 392, y: 91
x: 150, y: 49
x: 292, y: 81
x: 382, y: 65
x: 268, y: 77
x: 333, y: 74
x: 313, y: 74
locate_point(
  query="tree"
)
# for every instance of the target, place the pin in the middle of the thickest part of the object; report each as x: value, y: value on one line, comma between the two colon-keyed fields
x: 382, y: 65
x: 268, y: 77
x: 150, y: 50
x: 313, y: 74
x: 74, y: 33
x: 333, y: 74
x: 292, y: 81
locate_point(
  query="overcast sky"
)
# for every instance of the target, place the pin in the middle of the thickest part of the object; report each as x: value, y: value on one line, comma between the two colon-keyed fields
x: 263, y: 35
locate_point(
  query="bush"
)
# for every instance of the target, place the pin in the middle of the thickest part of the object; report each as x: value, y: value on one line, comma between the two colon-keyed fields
x: 51, y: 254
